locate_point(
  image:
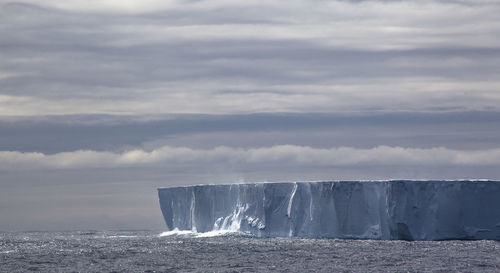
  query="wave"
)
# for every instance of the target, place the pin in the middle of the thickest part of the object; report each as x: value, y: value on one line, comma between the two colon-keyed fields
x: 194, y: 234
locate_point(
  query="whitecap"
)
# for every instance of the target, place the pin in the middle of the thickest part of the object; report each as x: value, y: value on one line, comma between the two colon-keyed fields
x: 190, y: 233
x: 176, y: 232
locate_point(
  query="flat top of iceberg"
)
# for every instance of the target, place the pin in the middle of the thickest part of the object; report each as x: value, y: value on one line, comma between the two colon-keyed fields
x: 329, y: 181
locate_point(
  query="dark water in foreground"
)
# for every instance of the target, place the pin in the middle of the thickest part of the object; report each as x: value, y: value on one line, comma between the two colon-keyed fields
x: 146, y: 251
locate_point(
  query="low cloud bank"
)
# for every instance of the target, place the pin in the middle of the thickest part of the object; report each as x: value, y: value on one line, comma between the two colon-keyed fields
x: 285, y: 155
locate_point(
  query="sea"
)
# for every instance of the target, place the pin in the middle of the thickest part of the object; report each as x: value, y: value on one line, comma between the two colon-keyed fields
x: 157, y: 251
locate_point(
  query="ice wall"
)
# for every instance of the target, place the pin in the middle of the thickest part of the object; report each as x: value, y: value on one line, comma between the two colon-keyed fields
x: 410, y: 210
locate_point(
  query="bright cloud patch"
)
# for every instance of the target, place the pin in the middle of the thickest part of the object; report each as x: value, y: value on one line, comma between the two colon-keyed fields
x: 278, y: 155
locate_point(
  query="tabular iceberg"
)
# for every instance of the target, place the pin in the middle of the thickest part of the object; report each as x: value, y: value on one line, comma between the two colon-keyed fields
x: 407, y: 210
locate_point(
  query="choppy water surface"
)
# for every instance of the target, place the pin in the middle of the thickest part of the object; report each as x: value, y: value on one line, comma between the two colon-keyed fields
x: 147, y: 251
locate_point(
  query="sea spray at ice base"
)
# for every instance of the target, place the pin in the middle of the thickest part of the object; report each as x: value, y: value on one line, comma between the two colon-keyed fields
x: 411, y: 210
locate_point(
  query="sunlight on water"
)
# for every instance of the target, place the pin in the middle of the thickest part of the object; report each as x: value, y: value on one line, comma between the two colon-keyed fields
x: 227, y: 251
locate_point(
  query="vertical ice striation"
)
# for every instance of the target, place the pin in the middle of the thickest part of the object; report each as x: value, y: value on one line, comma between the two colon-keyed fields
x: 192, y: 212
x: 289, y: 210
x: 409, y: 210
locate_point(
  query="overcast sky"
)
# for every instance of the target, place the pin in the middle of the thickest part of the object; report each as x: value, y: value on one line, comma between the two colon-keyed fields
x: 101, y: 102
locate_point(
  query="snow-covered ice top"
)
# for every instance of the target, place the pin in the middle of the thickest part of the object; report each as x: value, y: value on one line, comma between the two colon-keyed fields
x: 403, y: 209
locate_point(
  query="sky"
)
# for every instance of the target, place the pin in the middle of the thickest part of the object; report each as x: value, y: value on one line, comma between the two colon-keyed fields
x: 102, y: 102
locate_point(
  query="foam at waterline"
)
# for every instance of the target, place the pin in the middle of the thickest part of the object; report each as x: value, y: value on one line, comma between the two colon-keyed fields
x: 193, y: 234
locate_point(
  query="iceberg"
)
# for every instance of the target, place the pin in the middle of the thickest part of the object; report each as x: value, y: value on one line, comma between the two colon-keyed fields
x: 386, y: 210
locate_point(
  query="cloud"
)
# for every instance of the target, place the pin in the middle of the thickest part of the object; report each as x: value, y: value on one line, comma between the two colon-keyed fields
x: 223, y: 57
x: 284, y: 155
x: 55, y: 134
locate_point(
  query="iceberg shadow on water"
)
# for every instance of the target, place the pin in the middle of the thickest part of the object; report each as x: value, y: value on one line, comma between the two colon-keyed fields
x: 387, y: 210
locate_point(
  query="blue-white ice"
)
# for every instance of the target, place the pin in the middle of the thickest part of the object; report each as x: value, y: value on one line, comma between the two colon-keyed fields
x: 410, y: 210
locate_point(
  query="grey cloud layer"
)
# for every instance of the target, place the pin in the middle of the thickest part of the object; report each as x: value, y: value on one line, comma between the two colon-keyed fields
x: 262, y: 56
x: 55, y: 134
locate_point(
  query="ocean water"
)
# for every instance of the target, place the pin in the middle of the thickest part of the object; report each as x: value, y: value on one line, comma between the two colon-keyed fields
x: 154, y: 251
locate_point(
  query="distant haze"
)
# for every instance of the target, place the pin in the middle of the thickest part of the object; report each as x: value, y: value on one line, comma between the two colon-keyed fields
x: 103, y: 102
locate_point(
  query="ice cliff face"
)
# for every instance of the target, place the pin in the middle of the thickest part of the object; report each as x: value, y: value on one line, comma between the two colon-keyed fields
x: 410, y: 210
